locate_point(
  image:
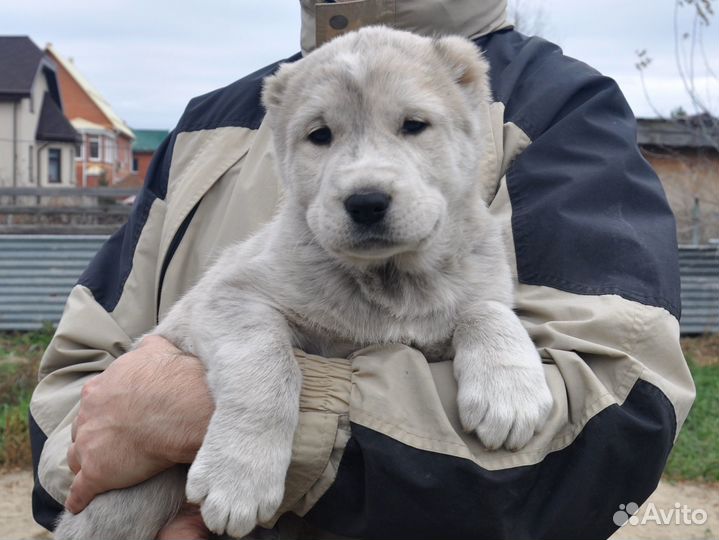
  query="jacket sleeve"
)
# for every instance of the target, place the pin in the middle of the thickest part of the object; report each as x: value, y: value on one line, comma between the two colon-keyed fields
x: 112, y: 303
x: 598, y: 289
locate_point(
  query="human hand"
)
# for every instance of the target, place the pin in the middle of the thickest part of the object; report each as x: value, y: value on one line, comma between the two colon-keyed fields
x: 186, y: 524
x: 147, y: 411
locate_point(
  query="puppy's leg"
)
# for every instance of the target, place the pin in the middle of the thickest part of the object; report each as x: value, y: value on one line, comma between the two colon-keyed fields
x: 239, y: 473
x: 137, y: 512
x: 503, y: 395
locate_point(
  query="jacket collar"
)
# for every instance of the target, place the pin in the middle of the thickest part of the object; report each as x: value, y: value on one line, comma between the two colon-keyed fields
x: 321, y: 21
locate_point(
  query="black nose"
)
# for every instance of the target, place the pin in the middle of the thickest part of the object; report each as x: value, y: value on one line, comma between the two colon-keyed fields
x: 367, y: 208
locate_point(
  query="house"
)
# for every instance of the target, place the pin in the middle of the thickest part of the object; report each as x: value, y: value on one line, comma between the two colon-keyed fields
x: 684, y: 152
x: 146, y: 143
x: 104, y: 156
x: 37, y: 142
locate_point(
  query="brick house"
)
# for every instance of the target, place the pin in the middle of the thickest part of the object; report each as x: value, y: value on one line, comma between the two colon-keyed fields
x: 37, y: 141
x: 685, y: 154
x: 104, y: 156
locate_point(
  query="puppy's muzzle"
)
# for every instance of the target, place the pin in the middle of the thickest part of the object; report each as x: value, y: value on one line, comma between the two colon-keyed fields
x: 367, y: 208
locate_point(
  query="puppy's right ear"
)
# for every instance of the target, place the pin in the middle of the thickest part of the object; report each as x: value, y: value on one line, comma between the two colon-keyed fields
x: 274, y: 86
x: 466, y: 64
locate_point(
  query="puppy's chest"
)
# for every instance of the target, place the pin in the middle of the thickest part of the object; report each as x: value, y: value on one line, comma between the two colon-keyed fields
x: 340, y: 332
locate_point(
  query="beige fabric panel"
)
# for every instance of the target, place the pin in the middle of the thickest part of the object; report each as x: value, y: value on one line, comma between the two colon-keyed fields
x: 86, y: 341
x: 501, y: 209
x: 514, y: 141
x: 322, y: 433
x: 358, y: 13
x: 237, y: 198
x: 53, y: 471
x: 468, y: 18
x: 135, y: 312
x: 199, y: 159
x: 619, y: 340
x: 594, y: 350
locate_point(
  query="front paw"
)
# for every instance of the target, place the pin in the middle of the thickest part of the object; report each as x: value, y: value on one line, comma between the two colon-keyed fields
x: 239, y: 485
x: 505, y: 404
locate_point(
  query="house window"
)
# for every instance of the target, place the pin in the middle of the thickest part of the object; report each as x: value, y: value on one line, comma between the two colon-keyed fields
x: 54, y: 166
x: 94, y: 143
x: 109, y: 150
x: 80, y: 150
x: 135, y: 165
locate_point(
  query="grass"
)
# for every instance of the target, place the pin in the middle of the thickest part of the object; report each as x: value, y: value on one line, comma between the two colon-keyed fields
x: 695, y: 456
x: 696, y: 453
x: 20, y: 355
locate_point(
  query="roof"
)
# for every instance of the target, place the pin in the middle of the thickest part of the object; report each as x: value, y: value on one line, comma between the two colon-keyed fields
x: 117, y: 122
x: 699, y: 131
x: 52, y: 124
x: 147, y: 140
x: 19, y: 62
x: 85, y: 125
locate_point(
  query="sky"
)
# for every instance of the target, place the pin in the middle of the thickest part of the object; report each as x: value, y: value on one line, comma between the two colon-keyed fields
x: 149, y: 58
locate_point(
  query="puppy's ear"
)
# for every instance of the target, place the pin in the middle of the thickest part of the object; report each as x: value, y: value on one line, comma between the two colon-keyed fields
x: 274, y: 86
x: 466, y: 63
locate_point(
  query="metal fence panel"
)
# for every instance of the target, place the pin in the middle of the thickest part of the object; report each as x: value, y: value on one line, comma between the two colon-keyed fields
x: 37, y: 273
x: 699, y: 270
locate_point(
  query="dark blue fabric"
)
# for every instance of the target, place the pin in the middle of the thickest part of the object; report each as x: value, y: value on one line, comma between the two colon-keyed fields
x: 589, y: 215
x: 45, y: 509
x: 386, y: 489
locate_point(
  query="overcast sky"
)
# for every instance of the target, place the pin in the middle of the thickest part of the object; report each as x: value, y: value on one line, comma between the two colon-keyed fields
x: 148, y: 58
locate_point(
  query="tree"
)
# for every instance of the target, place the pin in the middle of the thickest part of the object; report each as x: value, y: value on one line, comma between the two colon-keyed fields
x: 690, y: 169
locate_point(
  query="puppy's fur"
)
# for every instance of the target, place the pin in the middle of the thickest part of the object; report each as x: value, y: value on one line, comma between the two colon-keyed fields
x: 404, y: 119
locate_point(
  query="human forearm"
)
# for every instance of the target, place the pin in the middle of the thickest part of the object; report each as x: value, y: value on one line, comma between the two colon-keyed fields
x: 147, y: 411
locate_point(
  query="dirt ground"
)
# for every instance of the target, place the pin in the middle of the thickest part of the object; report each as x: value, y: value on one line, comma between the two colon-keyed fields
x: 16, y: 518
x: 15, y: 509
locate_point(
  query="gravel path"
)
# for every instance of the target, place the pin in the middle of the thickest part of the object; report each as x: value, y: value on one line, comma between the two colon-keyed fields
x: 16, y: 518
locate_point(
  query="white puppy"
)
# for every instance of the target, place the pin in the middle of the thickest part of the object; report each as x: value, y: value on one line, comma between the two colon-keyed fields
x: 382, y: 237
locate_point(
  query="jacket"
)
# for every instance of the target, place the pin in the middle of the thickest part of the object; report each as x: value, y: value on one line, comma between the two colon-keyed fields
x: 379, y: 452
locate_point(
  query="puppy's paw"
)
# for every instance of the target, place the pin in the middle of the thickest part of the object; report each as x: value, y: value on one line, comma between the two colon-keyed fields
x: 505, y: 405
x: 238, y: 486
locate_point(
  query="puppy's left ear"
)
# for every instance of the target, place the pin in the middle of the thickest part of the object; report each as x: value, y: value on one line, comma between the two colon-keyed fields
x: 466, y: 63
x: 274, y: 86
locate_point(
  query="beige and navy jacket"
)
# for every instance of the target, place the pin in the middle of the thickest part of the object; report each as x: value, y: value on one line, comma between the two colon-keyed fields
x: 379, y: 452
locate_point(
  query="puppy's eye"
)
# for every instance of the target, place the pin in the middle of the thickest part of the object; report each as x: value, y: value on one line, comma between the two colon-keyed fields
x: 414, y: 127
x: 320, y: 136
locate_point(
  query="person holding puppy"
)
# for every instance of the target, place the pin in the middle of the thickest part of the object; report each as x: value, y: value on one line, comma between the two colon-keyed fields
x: 378, y: 451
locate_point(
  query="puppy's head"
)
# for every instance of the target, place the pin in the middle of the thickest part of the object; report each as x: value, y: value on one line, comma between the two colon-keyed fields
x: 377, y: 135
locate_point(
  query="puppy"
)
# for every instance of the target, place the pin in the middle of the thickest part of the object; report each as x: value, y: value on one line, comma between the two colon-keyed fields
x: 382, y: 236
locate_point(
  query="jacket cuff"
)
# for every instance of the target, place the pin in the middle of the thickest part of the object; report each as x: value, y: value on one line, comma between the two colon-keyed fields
x: 322, y: 432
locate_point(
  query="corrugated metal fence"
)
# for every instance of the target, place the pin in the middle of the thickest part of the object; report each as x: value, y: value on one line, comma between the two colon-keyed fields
x: 699, y: 269
x: 37, y: 273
